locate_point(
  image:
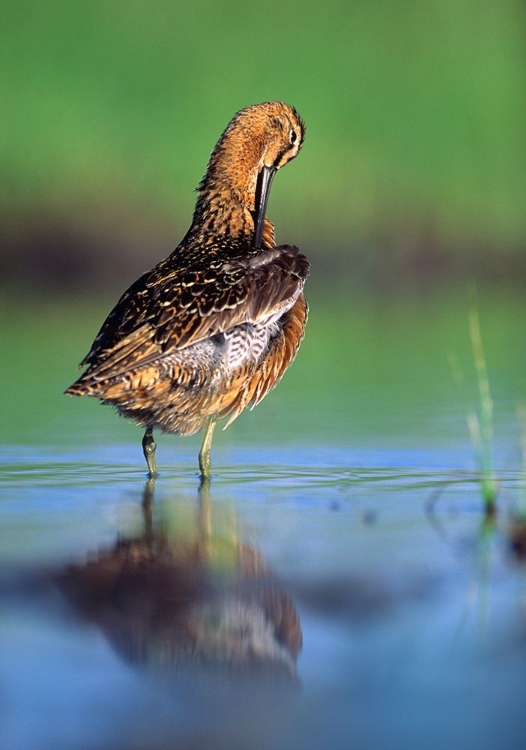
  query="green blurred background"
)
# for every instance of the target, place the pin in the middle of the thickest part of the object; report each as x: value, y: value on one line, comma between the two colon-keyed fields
x: 412, y: 177
x: 413, y: 169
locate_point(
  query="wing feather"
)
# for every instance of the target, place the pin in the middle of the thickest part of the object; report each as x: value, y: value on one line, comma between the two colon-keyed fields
x: 169, y: 309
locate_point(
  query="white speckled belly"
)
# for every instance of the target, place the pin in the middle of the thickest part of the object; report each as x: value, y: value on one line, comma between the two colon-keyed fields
x: 247, y: 342
x: 226, y: 352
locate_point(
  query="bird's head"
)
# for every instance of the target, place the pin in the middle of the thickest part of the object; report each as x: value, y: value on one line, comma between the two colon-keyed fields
x: 258, y: 141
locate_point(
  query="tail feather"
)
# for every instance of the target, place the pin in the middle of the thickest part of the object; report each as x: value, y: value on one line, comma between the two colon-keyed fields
x: 78, y: 388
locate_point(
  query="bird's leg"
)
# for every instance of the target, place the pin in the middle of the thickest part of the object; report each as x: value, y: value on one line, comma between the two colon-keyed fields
x: 204, y: 453
x: 148, y: 447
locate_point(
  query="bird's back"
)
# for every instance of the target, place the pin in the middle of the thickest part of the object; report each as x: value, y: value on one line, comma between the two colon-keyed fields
x: 192, y: 337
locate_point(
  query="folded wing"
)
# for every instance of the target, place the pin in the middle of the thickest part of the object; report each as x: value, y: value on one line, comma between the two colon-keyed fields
x: 170, y: 309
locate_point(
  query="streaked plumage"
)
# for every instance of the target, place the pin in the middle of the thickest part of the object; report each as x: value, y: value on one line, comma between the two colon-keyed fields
x: 213, y: 327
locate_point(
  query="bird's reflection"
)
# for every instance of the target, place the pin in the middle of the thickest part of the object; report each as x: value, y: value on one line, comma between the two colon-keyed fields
x: 197, y: 599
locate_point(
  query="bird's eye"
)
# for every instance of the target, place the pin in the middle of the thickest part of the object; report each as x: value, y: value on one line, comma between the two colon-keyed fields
x: 293, y: 137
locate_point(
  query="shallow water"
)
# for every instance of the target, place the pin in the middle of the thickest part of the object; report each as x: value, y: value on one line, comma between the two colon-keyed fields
x: 303, y: 601
x: 338, y: 583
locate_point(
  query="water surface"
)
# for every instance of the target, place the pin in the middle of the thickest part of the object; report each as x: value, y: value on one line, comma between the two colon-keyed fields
x: 339, y: 582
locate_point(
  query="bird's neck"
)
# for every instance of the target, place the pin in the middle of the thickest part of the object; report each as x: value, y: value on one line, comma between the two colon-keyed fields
x: 225, y: 207
x: 221, y: 213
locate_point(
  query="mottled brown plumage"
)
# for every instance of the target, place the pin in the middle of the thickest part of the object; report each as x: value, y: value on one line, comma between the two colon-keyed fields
x: 213, y: 327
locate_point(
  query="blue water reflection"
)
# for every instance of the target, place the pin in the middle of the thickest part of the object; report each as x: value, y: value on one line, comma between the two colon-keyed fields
x: 304, y: 602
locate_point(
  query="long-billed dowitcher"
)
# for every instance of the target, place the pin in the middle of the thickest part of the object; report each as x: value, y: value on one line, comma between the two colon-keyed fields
x: 213, y: 327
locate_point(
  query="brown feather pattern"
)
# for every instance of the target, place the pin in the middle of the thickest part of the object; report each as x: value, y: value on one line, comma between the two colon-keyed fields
x: 212, y: 328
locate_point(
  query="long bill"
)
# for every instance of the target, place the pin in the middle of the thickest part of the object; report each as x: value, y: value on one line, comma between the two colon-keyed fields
x: 262, y: 192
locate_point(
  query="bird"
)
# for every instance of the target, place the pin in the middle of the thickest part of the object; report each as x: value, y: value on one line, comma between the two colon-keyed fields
x: 212, y: 328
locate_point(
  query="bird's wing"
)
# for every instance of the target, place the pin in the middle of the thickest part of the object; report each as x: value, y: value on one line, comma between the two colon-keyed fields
x: 169, y: 309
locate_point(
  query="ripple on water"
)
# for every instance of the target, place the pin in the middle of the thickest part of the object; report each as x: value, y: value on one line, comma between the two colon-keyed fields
x: 382, y: 562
